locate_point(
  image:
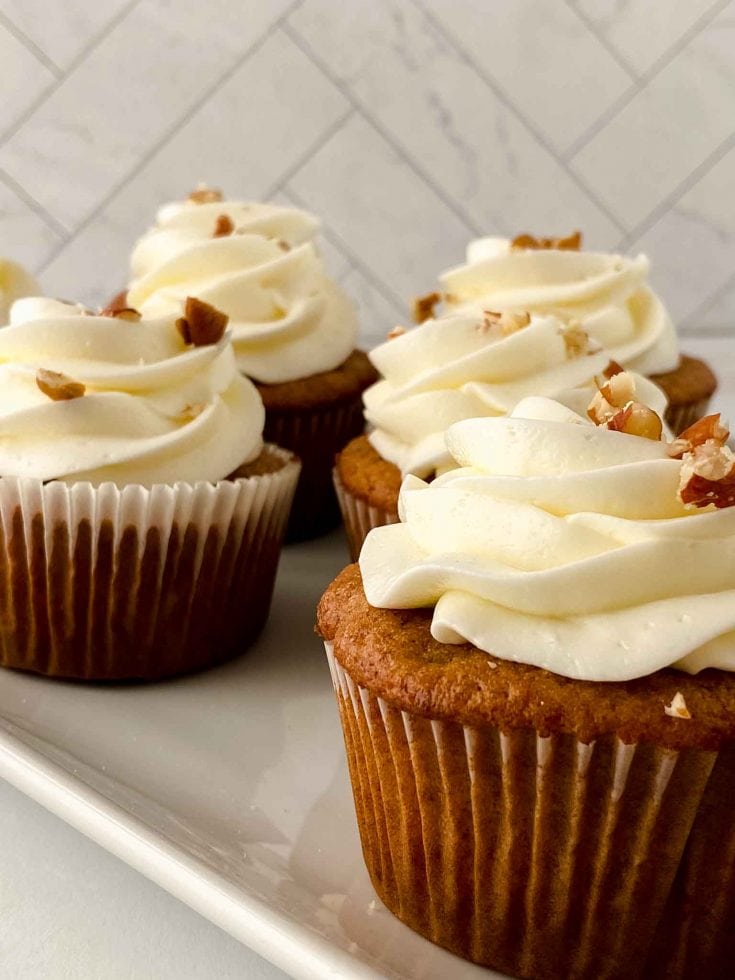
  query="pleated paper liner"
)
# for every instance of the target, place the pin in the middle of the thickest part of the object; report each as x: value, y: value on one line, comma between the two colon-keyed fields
x: 101, y: 583
x: 359, y: 516
x: 680, y: 417
x: 316, y: 436
x: 545, y: 857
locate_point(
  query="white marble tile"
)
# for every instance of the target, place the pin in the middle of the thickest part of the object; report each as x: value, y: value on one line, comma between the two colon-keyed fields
x: 61, y: 29
x: 375, y: 203
x: 22, y: 79
x: 24, y: 236
x: 377, y: 313
x: 255, y: 128
x: 642, y: 31
x: 112, y: 110
x: 717, y: 316
x: 446, y: 118
x: 668, y: 129
x: 692, y: 246
x: 548, y: 63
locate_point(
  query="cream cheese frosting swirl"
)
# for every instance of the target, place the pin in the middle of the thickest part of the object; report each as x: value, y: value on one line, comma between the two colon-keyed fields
x: 608, y: 293
x: 564, y: 545
x: 288, y: 319
x: 464, y: 366
x: 155, y: 410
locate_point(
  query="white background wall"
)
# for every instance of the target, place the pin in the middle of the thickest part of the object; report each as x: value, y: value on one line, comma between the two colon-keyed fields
x: 408, y: 125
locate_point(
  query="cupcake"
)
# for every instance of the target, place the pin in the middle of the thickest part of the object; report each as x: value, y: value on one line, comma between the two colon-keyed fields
x: 293, y: 329
x: 534, y: 673
x: 608, y: 294
x: 141, y: 514
x: 15, y: 283
x: 463, y: 365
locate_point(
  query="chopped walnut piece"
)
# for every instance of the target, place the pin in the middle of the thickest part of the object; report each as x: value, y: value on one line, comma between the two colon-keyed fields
x: 572, y: 243
x: 395, y: 332
x: 615, y: 407
x: 678, y: 707
x: 612, y: 369
x: 205, y: 195
x: 423, y: 306
x: 201, y: 323
x: 707, y: 429
x: 121, y: 313
x: 223, y: 226
x: 576, y: 340
x: 708, y: 476
x: 190, y: 412
x: 58, y: 387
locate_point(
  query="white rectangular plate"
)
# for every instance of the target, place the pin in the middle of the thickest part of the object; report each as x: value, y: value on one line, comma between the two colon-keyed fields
x: 230, y: 788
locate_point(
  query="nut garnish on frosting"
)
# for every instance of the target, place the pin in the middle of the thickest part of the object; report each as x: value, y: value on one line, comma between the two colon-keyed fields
x: 120, y: 313
x: 707, y: 464
x: 423, y: 306
x: 58, y: 386
x: 205, y: 195
x: 201, y: 323
x: 223, y: 226
x: 614, y: 406
x: 571, y: 243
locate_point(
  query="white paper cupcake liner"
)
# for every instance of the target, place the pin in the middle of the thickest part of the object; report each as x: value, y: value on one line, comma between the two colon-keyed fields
x: 359, y: 517
x: 104, y: 583
x: 542, y: 856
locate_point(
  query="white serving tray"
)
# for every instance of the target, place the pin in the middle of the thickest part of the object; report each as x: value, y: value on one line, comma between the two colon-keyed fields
x: 230, y: 788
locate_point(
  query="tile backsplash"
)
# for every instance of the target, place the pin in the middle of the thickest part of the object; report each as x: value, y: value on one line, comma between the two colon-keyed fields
x: 409, y: 126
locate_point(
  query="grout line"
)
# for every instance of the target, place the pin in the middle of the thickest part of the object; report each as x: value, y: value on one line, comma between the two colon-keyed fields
x: 313, y: 149
x: 692, y: 178
x: 708, y: 303
x: 33, y: 204
x: 644, y: 79
x: 606, y: 44
x: 522, y: 118
x: 306, y: 48
x: 356, y: 261
x: 72, y: 66
x: 29, y: 44
x: 170, y: 132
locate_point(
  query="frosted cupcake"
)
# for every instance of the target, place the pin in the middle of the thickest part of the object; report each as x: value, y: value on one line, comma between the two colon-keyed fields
x: 463, y: 365
x: 141, y: 514
x: 293, y: 329
x: 534, y: 673
x: 608, y: 294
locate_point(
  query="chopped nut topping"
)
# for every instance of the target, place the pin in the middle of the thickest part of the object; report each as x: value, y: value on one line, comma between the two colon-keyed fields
x: 58, y: 387
x: 423, y: 306
x: 283, y: 245
x: 707, y: 429
x: 576, y: 340
x: 223, y: 226
x: 572, y: 243
x: 395, y: 332
x: 678, y: 707
x: 612, y: 369
x: 708, y: 476
x: 205, y: 195
x: 121, y: 313
x: 513, y: 322
x: 614, y: 406
x: 201, y: 323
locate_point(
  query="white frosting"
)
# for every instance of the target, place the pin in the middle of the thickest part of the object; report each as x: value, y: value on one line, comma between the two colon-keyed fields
x: 458, y: 367
x: 154, y: 411
x: 288, y: 319
x: 608, y: 293
x: 563, y: 545
x: 14, y: 283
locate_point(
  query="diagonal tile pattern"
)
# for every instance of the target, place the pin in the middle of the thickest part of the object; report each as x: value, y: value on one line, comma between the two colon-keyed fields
x: 408, y: 125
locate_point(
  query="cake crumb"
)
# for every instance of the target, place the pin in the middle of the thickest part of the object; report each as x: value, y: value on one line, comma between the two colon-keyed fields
x: 678, y: 707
